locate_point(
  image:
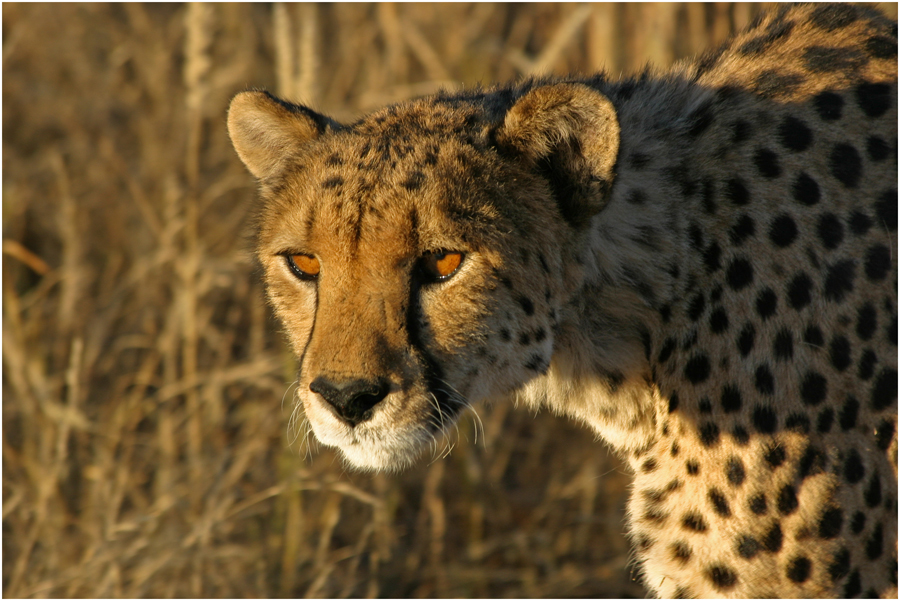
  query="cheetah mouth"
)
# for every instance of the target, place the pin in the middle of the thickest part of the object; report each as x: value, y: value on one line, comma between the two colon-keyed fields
x: 397, y: 432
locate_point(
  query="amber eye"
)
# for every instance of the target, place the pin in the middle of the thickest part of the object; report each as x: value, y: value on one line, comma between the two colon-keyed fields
x: 304, y: 267
x: 441, y: 265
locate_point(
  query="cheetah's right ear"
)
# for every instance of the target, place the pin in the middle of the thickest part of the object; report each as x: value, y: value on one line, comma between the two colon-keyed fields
x: 569, y: 133
x: 265, y: 130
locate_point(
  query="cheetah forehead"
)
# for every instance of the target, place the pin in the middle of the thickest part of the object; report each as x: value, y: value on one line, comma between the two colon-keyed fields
x: 422, y: 171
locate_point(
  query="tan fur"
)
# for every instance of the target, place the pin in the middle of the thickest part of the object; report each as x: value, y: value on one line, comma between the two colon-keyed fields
x: 699, y: 265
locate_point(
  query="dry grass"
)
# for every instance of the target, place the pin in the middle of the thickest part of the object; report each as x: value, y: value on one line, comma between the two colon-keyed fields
x: 145, y: 386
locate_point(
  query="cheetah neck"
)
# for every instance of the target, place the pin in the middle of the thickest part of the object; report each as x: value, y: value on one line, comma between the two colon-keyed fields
x: 635, y: 258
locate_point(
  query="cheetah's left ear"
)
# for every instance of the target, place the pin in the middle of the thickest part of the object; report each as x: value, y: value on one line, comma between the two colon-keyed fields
x: 570, y: 134
x: 266, y: 131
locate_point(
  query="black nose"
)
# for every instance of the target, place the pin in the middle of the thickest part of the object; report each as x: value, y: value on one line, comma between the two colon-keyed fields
x: 352, y: 399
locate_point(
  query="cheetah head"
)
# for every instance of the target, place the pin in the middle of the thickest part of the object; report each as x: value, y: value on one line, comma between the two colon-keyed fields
x: 420, y: 258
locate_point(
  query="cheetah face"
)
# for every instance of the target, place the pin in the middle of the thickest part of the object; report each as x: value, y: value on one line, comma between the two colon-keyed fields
x: 396, y: 254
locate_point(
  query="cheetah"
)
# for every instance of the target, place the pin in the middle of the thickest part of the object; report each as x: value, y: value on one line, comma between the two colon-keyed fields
x: 697, y: 264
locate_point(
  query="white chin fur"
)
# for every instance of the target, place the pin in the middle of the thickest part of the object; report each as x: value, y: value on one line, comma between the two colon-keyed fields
x: 368, y: 447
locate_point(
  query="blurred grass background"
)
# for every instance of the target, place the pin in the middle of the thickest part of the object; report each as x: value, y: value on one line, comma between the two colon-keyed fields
x: 146, y: 388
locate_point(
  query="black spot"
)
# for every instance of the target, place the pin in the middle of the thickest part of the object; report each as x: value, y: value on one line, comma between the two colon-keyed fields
x: 839, y: 280
x: 886, y: 209
x: 820, y: 59
x: 673, y: 402
x: 719, y: 503
x: 693, y: 468
x: 805, y: 190
x: 811, y: 463
x: 766, y: 303
x: 884, y: 391
x: 833, y: 16
x: 829, y: 106
x: 764, y: 419
x: 773, y: 538
x: 858, y: 524
x: 697, y: 369
x: 718, y: 321
x: 794, y: 134
x: 537, y: 363
x: 681, y: 552
x: 774, y: 455
x: 766, y: 163
x: 740, y: 131
x: 783, y: 230
x: 764, y: 380
x: 877, y: 149
x: 694, y: 521
x: 696, y: 307
x: 504, y: 335
x: 540, y: 334
x: 745, y: 340
x: 813, y: 336
x: 840, y: 353
x: 825, y: 420
x: 643, y: 541
x: 866, y: 365
x: 873, y: 492
x: 524, y: 339
x: 846, y: 165
x: 737, y: 192
x: 881, y: 47
x: 799, y: 569
x: 711, y: 257
x: 831, y: 231
x: 761, y: 43
x: 665, y: 312
x: 666, y: 351
x: 831, y: 522
x: 797, y: 422
x: 709, y: 434
x: 854, y: 587
x: 866, y: 321
x: 636, y: 197
x: 731, y: 399
x: 675, y: 448
x: 840, y: 565
x: 708, y: 197
x: 787, y: 500
x: 878, y: 262
x: 773, y: 83
x: 649, y: 465
x: 884, y: 433
x: 722, y: 577
x: 741, y: 436
x: 526, y: 305
x: 743, y: 229
x: 758, y: 504
x: 680, y: 175
x: 875, y: 544
x: 747, y: 546
x: 696, y: 236
x: 783, y: 347
x: 874, y: 98
x: 705, y: 405
x: 639, y: 160
x: 859, y: 223
x: 849, y: 412
x: 734, y: 470
x: 740, y: 274
x: 333, y: 182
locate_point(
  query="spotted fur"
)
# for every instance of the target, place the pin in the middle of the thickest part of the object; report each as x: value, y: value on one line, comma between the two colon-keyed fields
x: 700, y: 265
